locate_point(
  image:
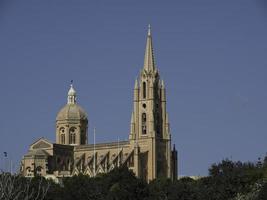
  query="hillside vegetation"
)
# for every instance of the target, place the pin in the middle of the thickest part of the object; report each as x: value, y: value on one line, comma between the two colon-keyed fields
x: 227, y: 180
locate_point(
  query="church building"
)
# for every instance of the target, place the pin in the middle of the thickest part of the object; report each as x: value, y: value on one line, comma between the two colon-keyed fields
x: 147, y: 153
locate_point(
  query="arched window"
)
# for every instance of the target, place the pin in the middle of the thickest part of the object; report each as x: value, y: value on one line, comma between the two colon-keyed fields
x: 144, y: 90
x: 72, y: 136
x: 62, y: 135
x: 62, y: 138
x: 39, y: 171
x: 144, y: 123
x: 29, y: 171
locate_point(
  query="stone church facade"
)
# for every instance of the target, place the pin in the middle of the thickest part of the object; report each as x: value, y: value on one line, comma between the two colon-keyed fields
x: 147, y: 153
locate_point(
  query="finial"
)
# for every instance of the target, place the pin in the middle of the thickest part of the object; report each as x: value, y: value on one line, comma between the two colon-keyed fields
x: 149, y: 30
x: 71, y: 94
x: 136, y: 84
x: 132, y: 118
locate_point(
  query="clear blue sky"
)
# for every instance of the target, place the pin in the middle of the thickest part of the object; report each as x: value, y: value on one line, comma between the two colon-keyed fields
x: 211, y: 54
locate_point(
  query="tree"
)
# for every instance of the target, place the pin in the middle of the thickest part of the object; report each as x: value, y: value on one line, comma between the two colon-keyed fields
x: 16, y: 187
x: 263, y: 192
x: 82, y: 187
x: 228, y: 179
x: 165, y: 189
x: 120, y: 183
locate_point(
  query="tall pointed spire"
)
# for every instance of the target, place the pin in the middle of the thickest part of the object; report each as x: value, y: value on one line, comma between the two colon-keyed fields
x: 149, y: 63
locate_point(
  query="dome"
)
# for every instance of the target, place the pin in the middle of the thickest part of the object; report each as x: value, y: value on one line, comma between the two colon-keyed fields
x: 72, y: 112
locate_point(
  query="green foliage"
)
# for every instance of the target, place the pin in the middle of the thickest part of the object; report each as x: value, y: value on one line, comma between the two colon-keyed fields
x: 118, y: 184
x: 234, y: 180
x: 123, y: 184
x: 227, y: 180
x: 183, y: 189
x: 82, y: 187
x: 263, y: 193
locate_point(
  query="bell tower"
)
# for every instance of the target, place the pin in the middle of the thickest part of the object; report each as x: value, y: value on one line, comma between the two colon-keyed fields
x: 149, y: 122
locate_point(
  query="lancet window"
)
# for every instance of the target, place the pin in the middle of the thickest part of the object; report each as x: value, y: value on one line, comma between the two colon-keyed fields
x: 144, y: 90
x: 62, y: 138
x: 144, y: 131
x: 72, y: 135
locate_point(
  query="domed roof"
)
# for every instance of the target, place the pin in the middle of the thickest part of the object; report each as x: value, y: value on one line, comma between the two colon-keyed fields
x: 72, y: 112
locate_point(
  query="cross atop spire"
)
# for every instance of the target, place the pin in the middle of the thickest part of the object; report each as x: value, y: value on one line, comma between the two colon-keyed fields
x: 149, y: 62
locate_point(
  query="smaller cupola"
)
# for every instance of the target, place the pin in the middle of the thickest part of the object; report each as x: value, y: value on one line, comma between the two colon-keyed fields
x: 71, y: 95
